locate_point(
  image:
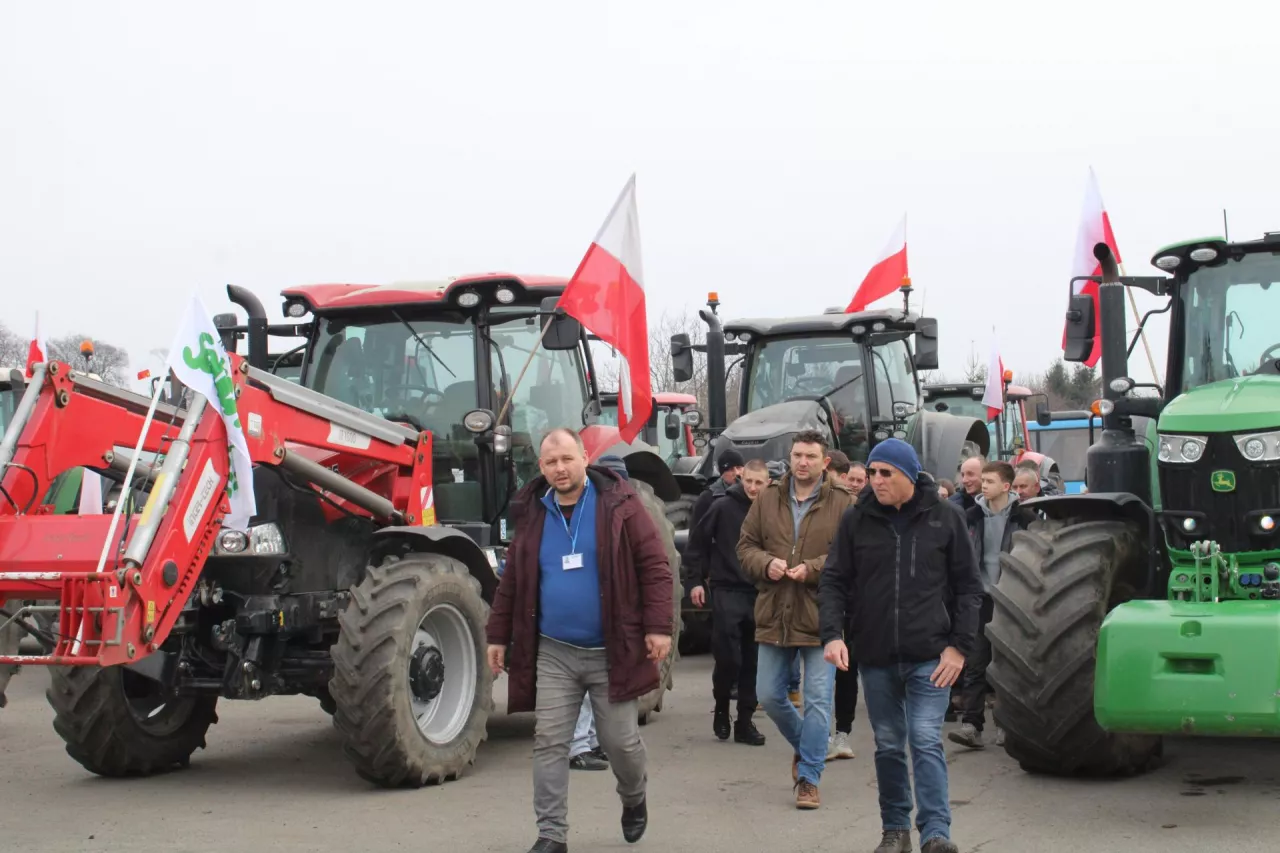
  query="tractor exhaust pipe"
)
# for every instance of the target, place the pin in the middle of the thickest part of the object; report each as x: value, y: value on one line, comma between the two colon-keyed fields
x: 1111, y: 324
x: 717, y: 408
x: 257, y: 324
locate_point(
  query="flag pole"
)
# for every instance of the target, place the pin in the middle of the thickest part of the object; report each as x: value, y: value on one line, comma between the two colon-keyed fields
x: 506, y: 404
x: 1133, y: 304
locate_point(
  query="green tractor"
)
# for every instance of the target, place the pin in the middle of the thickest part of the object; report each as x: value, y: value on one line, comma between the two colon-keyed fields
x: 1150, y: 606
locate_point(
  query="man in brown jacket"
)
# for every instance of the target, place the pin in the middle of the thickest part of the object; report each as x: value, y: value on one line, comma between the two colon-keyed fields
x: 783, y: 548
x: 585, y: 604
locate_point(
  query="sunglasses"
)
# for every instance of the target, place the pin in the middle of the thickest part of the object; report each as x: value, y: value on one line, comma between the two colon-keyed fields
x: 886, y: 473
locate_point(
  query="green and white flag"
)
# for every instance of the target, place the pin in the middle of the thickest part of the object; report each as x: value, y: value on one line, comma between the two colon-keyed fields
x: 200, y: 362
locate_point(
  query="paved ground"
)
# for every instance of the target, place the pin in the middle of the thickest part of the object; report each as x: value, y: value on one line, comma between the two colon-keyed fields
x: 274, y: 778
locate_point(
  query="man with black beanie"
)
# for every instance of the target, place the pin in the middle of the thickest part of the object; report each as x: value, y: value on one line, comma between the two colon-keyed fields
x: 713, y: 551
x: 729, y: 464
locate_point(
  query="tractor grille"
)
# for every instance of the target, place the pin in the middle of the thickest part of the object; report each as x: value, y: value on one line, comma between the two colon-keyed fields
x: 1230, y: 518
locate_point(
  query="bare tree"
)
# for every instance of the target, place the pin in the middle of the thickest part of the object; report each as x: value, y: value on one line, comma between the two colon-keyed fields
x: 108, y: 361
x: 661, y: 376
x: 13, y: 349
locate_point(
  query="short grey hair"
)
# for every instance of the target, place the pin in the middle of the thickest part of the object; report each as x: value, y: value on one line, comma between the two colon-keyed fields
x: 562, y: 432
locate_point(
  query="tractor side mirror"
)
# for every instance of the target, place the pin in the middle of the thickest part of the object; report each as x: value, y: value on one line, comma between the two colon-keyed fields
x: 1043, y: 416
x: 674, y: 426
x: 681, y: 358
x: 1080, y: 329
x: 926, y: 354
x: 560, y: 331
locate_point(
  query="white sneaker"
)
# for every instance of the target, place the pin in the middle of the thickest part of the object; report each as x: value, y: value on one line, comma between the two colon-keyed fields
x: 839, y: 747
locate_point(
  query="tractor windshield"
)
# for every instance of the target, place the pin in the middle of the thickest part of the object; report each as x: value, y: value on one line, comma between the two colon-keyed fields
x: 422, y: 368
x: 1229, y: 313
x: 832, y: 367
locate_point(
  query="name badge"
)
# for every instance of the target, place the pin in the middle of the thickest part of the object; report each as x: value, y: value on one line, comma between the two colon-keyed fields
x: 572, y: 561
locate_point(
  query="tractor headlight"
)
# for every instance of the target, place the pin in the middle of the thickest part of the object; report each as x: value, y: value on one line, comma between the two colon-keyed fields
x: 1182, y: 449
x: 1259, y: 446
x: 1204, y: 254
x: 262, y: 540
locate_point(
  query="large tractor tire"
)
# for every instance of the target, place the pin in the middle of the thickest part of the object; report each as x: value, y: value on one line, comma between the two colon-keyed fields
x: 118, y: 723
x: 651, y: 702
x: 411, y: 687
x: 10, y: 638
x: 680, y: 511
x: 1057, y: 583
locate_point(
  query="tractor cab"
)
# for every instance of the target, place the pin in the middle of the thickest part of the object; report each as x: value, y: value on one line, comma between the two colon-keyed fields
x: 670, y: 425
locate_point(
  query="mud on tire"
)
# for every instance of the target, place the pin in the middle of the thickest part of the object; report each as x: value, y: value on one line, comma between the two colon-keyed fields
x: 652, y: 701
x: 118, y: 723
x: 411, y: 685
x: 1057, y: 583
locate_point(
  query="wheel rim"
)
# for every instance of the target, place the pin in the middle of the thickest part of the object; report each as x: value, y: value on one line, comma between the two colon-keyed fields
x: 159, y: 715
x: 442, y: 674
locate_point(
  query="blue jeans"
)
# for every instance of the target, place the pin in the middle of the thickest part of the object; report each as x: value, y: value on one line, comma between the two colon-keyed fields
x: 807, y: 734
x: 905, y: 708
x: 793, y: 684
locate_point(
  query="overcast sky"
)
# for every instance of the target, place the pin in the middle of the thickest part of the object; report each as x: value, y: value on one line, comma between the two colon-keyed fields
x: 148, y: 150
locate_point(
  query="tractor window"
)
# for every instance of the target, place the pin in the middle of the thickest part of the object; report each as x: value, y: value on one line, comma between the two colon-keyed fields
x: 1067, y: 447
x: 1012, y: 427
x: 895, y: 379
x: 784, y: 368
x: 1226, y: 309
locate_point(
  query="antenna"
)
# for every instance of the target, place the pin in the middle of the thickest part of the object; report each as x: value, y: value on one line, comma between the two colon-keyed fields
x: 1226, y: 234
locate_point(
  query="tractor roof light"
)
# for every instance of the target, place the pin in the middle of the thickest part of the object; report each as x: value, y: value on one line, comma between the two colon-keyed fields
x: 1168, y: 262
x: 468, y: 299
x: 730, y: 336
x: 478, y: 421
x: 1008, y: 376
x: 1204, y: 254
x: 295, y: 308
x: 505, y: 295
x: 1122, y: 384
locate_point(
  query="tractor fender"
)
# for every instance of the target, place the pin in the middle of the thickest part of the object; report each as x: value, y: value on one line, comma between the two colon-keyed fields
x: 940, y: 439
x: 1107, y: 506
x: 439, y: 540
x: 644, y: 464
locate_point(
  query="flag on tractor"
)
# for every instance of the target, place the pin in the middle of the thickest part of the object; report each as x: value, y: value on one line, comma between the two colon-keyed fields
x: 993, y: 394
x: 1095, y: 228
x: 200, y: 362
x: 887, y: 274
x: 35, y: 350
x: 606, y: 295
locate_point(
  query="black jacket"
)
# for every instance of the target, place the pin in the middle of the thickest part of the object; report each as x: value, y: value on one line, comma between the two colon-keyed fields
x: 712, y: 551
x: 703, y: 502
x: 909, y: 588
x: 1020, y: 517
x: 963, y: 499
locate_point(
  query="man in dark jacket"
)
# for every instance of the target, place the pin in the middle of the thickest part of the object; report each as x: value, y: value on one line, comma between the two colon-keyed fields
x: 729, y: 464
x: 585, y: 604
x: 970, y: 482
x: 991, y: 521
x: 904, y: 574
x: 713, y: 548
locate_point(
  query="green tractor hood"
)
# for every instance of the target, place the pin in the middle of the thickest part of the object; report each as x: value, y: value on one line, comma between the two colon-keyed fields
x: 1232, y: 405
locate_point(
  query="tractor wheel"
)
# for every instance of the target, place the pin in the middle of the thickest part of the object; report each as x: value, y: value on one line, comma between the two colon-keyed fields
x: 680, y: 511
x: 411, y: 684
x: 10, y: 638
x: 118, y: 723
x: 652, y: 701
x: 1056, y: 585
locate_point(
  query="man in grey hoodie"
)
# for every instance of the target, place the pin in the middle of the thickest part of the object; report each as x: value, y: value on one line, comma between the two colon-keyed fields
x: 991, y: 520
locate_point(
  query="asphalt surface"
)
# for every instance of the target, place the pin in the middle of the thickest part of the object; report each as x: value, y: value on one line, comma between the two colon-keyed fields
x: 274, y: 778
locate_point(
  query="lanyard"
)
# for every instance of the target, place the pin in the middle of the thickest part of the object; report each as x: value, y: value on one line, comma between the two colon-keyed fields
x: 577, y: 520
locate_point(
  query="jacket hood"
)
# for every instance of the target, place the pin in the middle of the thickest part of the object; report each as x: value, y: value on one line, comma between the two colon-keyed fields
x: 1008, y: 510
x: 604, y: 478
x: 738, y: 493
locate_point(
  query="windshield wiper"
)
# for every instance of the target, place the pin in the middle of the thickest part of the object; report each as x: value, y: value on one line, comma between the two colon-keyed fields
x: 417, y: 337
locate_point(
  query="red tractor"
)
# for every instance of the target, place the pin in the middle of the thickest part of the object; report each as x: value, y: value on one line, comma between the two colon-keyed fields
x: 1010, y: 436
x: 383, y: 473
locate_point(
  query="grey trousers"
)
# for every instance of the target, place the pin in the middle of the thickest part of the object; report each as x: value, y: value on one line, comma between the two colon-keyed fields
x: 565, y: 674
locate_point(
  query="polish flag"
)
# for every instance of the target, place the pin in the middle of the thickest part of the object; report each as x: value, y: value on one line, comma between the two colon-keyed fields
x: 993, y: 395
x: 887, y: 274
x: 606, y: 295
x: 35, y: 350
x: 1095, y: 228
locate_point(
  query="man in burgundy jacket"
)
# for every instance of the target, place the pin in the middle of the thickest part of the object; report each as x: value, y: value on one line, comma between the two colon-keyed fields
x: 585, y: 605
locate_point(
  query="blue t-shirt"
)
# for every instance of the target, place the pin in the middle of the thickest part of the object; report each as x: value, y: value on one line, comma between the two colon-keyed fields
x: 569, y: 599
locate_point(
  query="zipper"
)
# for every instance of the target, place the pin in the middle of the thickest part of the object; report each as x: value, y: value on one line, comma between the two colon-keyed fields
x: 913, y: 556
x: 897, y: 584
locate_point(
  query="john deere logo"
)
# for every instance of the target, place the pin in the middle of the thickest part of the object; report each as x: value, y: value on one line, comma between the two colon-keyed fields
x: 1224, y: 481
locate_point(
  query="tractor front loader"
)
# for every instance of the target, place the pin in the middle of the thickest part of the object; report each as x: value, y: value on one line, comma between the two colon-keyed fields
x: 1150, y: 605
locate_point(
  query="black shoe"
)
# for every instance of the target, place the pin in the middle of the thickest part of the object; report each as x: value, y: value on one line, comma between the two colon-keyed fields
x: 600, y: 754
x: 745, y: 731
x: 546, y: 845
x: 720, y: 725
x: 635, y: 819
x: 588, y: 761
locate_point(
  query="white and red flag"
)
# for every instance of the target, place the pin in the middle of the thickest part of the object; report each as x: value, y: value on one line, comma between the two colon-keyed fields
x: 887, y: 274
x: 993, y: 394
x: 606, y: 295
x: 36, y: 350
x: 1095, y: 228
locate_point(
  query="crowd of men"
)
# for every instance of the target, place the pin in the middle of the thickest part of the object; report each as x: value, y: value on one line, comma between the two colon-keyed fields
x: 828, y: 577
